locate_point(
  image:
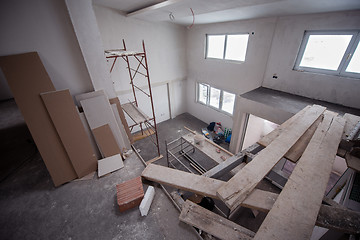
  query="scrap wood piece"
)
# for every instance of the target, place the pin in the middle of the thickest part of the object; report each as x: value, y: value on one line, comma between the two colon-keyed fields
x: 295, y: 211
x: 129, y: 194
x: 240, y: 186
x: 154, y: 159
x: 295, y: 151
x: 106, y: 141
x: 143, y: 134
x: 258, y: 199
x: 212, y: 223
x: 225, y: 166
x: 67, y: 122
x: 27, y: 78
x: 109, y: 164
x: 208, y: 148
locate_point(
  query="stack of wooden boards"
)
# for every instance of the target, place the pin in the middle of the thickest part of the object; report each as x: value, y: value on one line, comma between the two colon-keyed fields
x: 63, y: 135
x: 311, y: 138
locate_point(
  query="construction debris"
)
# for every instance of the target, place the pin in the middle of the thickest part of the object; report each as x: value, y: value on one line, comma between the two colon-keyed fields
x: 129, y: 194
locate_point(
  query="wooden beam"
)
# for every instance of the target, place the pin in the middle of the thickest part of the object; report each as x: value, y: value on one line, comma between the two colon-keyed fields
x: 258, y: 199
x: 212, y: 223
x: 240, y: 186
x: 296, y: 151
x: 294, y: 213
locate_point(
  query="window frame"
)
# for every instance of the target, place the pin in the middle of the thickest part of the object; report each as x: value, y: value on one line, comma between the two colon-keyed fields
x: 221, y: 98
x: 225, y: 46
x: 345, y: 60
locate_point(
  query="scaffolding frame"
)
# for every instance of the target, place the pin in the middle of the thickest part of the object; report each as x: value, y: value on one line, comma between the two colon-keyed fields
x: 147, y: 125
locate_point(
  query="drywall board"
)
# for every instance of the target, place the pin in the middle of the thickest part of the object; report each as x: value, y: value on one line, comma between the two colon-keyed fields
x: 106, y: 141
x: 27, y: 78
x: 295, y: 211
x: 88, y: 95
x: 90, y: 135
x: 63, y: 113
x: 125, y: 140
x: 241, y: 185
x: 109, y: 164
x: 87, y: 32
x: 98, y: 112
x: 122, y: 117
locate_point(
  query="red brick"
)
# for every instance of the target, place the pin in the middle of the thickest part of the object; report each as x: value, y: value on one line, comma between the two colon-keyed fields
x: 129, y: 194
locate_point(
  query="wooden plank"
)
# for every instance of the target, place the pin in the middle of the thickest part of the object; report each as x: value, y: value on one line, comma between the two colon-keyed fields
x: 109, y: 164
x: 98, y: 112
x: 154, y: 159
x: 63, y: 113
x: 339, y: 219
x: 27, y: 78
x: 121, y: 127
x: 294, y: 213
x: 258, y: 199
x: 241, y: 185
x: 295, y: 151
x: 209, y: 149
x: 141, y: 135
x: 134, y: 113
x: 212, y: 223
x: 122, y: 117
x: 106, y: 141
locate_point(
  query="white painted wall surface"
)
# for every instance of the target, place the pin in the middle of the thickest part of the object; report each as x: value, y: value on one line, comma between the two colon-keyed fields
x: 166, y: 55
x: 287, y: 39
x: 236, y: 78
x: 88, y: 35
x: 44, y: 26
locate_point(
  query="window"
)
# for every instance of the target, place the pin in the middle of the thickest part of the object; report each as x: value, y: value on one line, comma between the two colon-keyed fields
x: 335, y: 53
x: 227, y: 46
x: 215, y: 98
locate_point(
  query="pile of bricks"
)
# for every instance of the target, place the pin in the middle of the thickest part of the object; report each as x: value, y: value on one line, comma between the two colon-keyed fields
x: 129, y: 194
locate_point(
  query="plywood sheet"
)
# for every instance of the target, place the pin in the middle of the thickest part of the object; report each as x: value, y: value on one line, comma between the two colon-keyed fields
x: 241, y: 185
x: 67, y: 122
x: 122, y: 117
x: 90, y: 135
x: 109, y: 164
x: 294, y: 213
x: 27, y: 78
x: 98, y: 112
x: 106, y: 141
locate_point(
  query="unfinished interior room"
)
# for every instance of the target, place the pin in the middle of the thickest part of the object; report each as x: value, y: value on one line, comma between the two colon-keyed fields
x: 180, y: 119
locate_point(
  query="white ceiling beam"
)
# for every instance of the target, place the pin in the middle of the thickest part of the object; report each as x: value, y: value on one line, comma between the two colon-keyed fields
x: 152, y: 7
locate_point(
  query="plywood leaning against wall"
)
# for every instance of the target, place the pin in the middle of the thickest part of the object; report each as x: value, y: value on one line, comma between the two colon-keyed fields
x: 122, y: 117
x: 63, y: 113
x: 27, y: 78
x: 98, y: 112
x: 106, y: 141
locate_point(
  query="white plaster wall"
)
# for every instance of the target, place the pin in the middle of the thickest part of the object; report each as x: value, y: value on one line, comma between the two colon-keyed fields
x: 166, y: 55
x: 287, y: 39
x: 236, y: 78
x: 44, y: 26
x: 87, y: 32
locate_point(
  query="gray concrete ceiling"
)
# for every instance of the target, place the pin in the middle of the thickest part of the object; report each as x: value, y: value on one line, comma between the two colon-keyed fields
x: 211, y: 11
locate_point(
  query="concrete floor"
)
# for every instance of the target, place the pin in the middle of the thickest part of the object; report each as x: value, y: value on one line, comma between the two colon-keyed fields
x: 32, y: 208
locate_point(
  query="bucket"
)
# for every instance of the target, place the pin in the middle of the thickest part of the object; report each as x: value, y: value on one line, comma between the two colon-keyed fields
x: 199, y: 139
